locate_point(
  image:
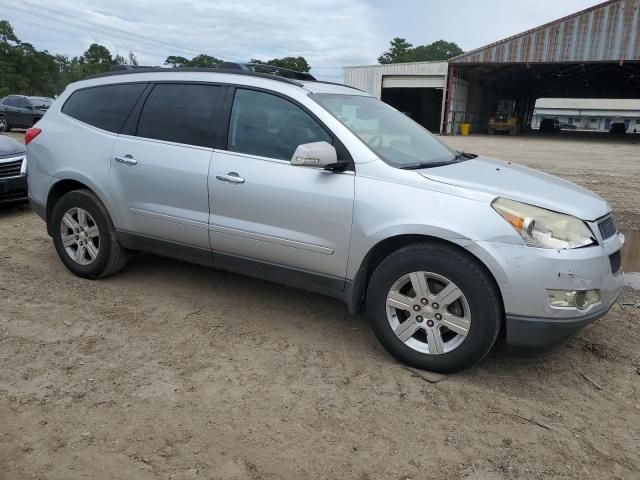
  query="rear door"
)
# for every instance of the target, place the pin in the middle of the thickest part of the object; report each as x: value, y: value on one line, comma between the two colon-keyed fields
x: 23, y: 113
x: 292, y: 222
x: 160, y: 165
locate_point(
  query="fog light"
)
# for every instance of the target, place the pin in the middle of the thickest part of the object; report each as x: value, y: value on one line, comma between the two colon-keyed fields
x: 580, y: 299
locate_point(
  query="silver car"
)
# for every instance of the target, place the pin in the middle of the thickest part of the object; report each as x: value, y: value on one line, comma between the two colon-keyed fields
x: 323, y: 187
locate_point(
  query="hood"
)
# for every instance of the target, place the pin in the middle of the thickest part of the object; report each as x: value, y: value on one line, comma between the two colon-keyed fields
x: 517, y: 182
x: 9, y: 146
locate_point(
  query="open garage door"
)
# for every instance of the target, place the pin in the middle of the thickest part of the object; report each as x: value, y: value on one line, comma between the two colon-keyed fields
x: 423, y: 105
x: 413, y: 81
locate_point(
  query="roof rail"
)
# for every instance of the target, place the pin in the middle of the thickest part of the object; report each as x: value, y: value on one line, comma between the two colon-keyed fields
x: 129, y: 69
x: 265, y: 68
x: 117, y: 68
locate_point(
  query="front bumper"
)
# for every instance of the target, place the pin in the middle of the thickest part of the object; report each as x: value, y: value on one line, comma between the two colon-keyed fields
x: 13, y: 189
x: 524, y: 274
x: 545, y: 334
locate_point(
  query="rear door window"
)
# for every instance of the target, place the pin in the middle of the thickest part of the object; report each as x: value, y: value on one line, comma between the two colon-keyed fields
x: 181, y: 113
x: 106, y: 107
x: 270, y: 126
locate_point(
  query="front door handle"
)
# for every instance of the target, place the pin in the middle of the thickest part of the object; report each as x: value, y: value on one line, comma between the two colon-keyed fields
x: 127, y: 160
x: 231, y: 177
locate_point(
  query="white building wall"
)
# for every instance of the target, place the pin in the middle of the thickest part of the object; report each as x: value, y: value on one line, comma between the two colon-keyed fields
x: 370, y: 77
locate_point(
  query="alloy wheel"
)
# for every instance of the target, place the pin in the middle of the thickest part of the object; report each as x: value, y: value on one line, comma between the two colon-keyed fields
x: 428, y: 313
x: 80, y: 236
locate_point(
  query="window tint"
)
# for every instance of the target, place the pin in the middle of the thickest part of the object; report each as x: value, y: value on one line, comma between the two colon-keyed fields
x: 10, y: 101
x: 104, y: 107
x: 270, y: 126
x: 180, y: 113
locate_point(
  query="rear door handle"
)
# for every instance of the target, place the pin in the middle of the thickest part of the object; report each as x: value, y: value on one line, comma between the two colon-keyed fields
x: 231, y: 177
x: 127, y: 160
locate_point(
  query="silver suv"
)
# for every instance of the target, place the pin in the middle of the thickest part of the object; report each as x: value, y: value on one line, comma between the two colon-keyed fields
x: 323, y: 187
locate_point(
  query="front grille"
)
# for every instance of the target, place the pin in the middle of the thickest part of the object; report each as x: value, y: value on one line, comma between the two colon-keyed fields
x: 615, y: 259
x: 607, y: 227
x: 10, y: 169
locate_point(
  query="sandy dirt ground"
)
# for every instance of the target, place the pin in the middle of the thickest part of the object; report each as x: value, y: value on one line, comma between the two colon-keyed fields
x: 175, y: 371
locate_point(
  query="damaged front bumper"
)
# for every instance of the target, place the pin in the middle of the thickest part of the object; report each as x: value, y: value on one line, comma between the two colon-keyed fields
x: 525, y: 276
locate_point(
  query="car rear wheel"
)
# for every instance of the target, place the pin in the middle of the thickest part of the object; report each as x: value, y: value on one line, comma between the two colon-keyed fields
x: 4, y: 125
x: 85, y: 237
x: 434, y: 307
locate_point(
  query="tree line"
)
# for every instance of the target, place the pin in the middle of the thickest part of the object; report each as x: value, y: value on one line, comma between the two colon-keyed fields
x: 401, y: 51
x: 24, y: 70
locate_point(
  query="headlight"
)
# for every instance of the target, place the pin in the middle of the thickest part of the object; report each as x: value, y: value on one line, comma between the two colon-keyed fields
x: 543, y: 228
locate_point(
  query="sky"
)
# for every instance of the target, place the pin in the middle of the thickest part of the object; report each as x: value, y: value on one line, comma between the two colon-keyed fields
x: 330, y: 34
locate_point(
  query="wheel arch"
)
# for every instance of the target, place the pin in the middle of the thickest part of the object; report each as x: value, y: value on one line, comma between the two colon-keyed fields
x: 68, y: 184
x: 357, y: 292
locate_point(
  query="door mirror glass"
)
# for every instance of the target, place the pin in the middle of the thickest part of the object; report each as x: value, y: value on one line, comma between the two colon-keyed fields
x: 315, y: 154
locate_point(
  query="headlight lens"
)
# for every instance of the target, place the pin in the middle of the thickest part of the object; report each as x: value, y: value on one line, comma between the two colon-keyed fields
x: 543, y: 228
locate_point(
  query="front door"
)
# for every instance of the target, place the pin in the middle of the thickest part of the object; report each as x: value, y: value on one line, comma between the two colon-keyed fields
x: 11, y: 111
x: 293, y: 222
x: 159, y: 174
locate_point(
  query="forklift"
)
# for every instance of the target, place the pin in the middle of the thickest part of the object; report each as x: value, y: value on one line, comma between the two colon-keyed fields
x: 505, y: 119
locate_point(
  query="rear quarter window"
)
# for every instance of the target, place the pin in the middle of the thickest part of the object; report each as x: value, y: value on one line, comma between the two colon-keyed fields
x: 106, y: 107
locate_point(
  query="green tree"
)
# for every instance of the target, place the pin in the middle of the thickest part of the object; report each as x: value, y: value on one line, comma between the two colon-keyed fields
x: 97, y: 55
x: 398, y: 52
x: 176, y: 61
x: 299, y: 64
x: 402, y: 51
x: 202, y: 60
x: 205, y: 61
x: 438, y: 50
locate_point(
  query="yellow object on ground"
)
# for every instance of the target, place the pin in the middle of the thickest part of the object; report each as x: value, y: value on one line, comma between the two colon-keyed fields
x: 465, y: 129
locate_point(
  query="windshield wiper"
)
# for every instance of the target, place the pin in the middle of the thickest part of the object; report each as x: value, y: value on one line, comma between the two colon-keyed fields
x: 429, y: 165
x: 465, y: 155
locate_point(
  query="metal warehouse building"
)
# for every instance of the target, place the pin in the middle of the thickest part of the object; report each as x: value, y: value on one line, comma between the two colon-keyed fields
x: 413, y: 88
x: 594, y: 53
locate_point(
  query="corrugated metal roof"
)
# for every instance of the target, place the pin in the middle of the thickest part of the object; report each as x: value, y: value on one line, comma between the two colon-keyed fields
x: 589, y: 103
x: 603, y: 33
x: 432, y: 66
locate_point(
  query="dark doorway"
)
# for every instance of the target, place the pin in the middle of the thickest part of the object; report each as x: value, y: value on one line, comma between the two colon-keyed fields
x: 423, y: 105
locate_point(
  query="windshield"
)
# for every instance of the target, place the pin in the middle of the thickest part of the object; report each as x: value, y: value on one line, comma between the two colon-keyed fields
x: 40, y: 102
x: 391, y: 135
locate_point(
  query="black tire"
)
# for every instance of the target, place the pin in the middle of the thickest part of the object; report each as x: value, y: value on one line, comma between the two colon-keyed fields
x: 476, y: 284
x: 4, y: 126
x: 111, y: 256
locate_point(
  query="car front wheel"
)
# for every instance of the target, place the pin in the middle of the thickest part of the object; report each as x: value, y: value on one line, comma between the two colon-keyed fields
x: 434, y: 307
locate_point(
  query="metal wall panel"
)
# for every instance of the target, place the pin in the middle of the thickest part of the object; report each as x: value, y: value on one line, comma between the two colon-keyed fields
x: 370, y: 78
x: 603, y: 33
x: 413, y: 81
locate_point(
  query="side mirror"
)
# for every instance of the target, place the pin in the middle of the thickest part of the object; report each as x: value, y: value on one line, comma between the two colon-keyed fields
x: 316, y: 154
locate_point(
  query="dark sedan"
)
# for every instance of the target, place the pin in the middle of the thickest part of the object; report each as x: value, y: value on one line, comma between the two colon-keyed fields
x: 13, y: 171
x: 18, y: 111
